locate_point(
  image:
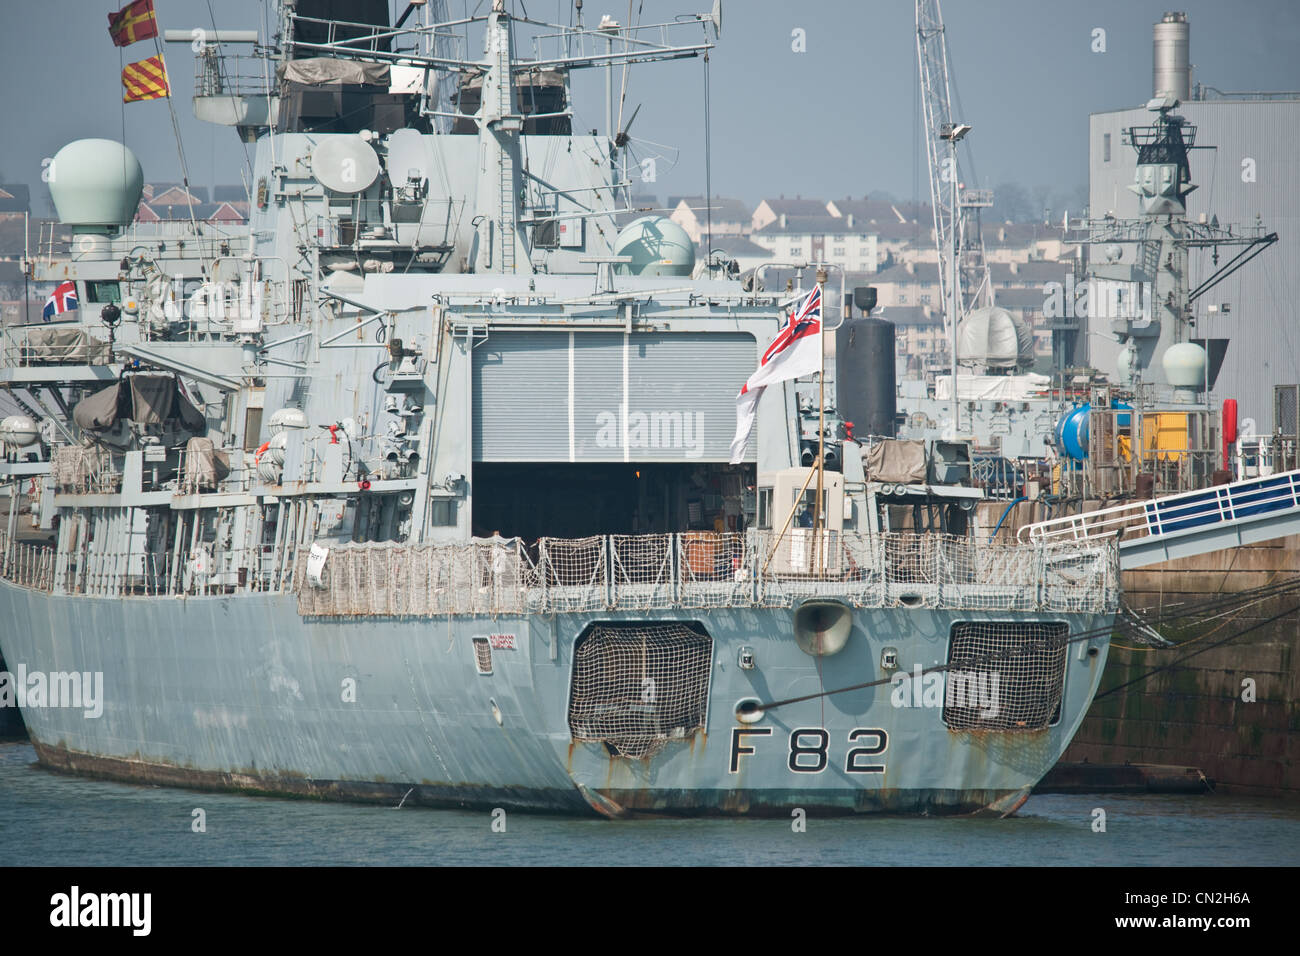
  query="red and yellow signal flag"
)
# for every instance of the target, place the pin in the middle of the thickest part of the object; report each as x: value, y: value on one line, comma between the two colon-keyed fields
x: 135, y: 21
x: 146, y: 80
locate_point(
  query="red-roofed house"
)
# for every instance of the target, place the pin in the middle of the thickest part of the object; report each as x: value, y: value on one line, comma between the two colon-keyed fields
x: 175, y: 196
x: 226, y: 212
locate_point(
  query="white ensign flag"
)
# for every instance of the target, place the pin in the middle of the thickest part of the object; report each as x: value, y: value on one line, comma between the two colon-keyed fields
x: 796, y: 351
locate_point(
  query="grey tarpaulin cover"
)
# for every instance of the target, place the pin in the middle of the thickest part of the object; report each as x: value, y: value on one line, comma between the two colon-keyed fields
x: 205, y: 466
x: 321, y: 70
x: 98, y: 411
x: 898, y: 461
x: 63, y: 345
x: 147, y: 399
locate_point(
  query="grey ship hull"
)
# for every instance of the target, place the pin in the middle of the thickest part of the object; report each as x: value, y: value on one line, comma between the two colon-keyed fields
x: 241, y: 693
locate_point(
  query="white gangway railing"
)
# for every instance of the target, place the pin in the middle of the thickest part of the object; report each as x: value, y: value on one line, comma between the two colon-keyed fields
x: 1254, y: 500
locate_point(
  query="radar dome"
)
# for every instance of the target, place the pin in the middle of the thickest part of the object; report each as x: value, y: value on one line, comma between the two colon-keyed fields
x: 658, y: 247
x: 95, y: 182
x: 1184, y: 366
x: 995, y: 338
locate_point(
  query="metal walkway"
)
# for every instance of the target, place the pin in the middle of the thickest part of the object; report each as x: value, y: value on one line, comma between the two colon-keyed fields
x: 1194, y: 522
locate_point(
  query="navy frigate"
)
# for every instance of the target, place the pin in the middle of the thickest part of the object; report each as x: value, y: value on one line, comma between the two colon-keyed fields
x: 419, y: 486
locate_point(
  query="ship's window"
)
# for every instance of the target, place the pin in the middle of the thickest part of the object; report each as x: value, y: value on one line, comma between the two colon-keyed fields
x: 103, y: 290
x: 252, y: 428
x: 482, y: 655
x: 1005, y: 676
x: 765, y: 507
x: 1105, y: 148
x: 442, y: 512
x: 803, y: 512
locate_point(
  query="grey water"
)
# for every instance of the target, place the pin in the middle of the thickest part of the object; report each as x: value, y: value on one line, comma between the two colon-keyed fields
x: 52, y: 819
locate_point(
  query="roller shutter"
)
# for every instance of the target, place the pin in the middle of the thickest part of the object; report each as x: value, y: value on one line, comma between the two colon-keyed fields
x: 607, y: 396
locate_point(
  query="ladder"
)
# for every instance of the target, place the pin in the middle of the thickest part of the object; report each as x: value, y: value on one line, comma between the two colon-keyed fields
x: 508, y: 218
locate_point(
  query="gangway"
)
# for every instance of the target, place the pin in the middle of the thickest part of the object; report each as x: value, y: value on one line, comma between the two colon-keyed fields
x: 1182, y: 525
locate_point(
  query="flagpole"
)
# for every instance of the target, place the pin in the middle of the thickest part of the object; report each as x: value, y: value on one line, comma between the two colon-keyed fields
x: 818, y: 517
x: 27, y: 264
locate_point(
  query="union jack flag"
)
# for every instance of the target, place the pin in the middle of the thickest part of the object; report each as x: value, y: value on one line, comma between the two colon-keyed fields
x: 63, y: 299
x: 796, y: 351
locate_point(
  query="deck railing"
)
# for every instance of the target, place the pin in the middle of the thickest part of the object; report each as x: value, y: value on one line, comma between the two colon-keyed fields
x: 688, y: 571
x: 26, y: 565
x: 697, y: 570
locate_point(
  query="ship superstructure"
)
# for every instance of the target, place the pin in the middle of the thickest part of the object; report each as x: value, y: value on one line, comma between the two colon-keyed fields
x: 422, y: 486
x: 1137, y: 293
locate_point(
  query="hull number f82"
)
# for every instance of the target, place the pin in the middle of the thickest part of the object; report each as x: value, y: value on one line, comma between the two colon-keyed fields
x: 809, y: 749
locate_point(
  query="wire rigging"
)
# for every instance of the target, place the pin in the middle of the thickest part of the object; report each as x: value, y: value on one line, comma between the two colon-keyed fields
x: 1243, y: 598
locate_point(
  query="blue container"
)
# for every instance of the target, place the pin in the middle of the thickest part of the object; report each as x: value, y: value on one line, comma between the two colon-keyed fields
x: 1072, y: 429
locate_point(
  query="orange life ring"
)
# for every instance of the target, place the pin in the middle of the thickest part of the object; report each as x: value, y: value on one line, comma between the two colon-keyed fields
x: 257, y: 457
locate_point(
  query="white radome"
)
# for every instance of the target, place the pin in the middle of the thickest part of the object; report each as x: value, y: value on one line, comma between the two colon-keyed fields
x: 1184, y: 365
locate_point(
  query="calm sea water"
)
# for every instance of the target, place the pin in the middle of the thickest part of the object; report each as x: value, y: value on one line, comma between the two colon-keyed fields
x: 66, y: 821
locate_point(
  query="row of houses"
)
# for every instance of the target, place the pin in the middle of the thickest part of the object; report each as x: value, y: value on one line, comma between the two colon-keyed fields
x: 171, y: 201
x: 861, y: 235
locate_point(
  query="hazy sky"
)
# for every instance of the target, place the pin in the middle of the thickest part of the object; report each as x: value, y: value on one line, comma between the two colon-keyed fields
x: 838, y: 119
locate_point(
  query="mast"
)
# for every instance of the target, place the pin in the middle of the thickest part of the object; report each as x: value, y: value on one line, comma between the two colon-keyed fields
x: 499, y: 243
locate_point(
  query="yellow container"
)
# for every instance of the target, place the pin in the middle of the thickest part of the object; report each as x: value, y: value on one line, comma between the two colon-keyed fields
x: 1165, y: 433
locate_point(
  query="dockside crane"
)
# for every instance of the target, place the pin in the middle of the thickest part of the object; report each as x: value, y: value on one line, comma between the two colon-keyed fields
x: 957, y: 235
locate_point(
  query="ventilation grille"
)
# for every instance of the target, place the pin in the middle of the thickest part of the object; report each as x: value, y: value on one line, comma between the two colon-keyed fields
x: 1286, y: 412
x: 636, y: 687
x: 483, y: 655
x: 1004, y: 676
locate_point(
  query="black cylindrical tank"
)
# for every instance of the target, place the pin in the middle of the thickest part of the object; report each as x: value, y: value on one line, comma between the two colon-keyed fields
x: 864, y: 376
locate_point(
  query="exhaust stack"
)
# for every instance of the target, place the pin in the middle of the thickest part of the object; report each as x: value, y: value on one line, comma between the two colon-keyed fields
x: 1171, y: 71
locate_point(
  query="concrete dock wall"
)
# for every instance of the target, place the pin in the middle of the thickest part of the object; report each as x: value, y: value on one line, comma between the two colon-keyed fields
x: 1199, y: 712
